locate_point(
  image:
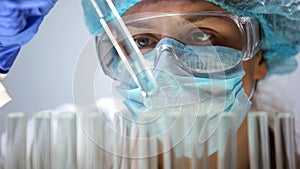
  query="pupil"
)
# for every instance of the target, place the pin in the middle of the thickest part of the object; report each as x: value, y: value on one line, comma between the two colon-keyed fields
x: 143, y: 42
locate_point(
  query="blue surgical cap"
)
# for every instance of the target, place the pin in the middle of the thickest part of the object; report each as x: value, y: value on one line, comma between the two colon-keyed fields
x: 279, y: 20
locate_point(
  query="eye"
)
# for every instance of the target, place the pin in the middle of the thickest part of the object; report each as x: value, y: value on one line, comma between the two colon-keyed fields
x: 200, y: 37
x: 143, y: 42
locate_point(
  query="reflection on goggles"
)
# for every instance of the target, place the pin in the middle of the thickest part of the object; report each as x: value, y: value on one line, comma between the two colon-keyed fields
x: 200, y: 29
x: 60, y: 142
x: 199, y: 59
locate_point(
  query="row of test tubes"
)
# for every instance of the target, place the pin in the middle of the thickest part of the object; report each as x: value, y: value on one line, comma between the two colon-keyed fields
x: 58, y: 142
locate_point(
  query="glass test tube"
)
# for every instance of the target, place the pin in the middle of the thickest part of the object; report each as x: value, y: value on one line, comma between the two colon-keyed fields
x: 258, y: 140
x: 174, y: 130
x: 204, y: 160
x: 16, y: 141
x: 90, y: 140
x: 154, y: 153
x: 154, y: 144
x: 119, y: 132
x: 179, y: 128
x: 41, y: 147
x: 141, y: 159
x: 227, y: 142
x: 126, y: 153
x: 199, y: 150
x: 193, y: 128
x: 167, y: 142
x: 63, y: 154
x: 148, y: 141
x: 284, y: 141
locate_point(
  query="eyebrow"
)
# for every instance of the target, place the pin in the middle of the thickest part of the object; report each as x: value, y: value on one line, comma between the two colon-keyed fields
x: 201, y: 18
x: 193, y: 19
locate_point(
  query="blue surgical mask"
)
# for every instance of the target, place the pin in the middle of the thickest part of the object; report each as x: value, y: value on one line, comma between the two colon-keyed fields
x: 184, y: 93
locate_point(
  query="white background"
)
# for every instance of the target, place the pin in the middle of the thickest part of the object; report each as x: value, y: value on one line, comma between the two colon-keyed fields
x: 41, y: 77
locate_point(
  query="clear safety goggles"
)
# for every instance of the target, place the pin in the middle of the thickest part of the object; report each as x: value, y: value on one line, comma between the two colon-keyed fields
x: 196, y: 29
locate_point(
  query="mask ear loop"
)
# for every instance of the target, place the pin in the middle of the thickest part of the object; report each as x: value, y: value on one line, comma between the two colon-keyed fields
x: 252, y: 91
x: 255, y: 36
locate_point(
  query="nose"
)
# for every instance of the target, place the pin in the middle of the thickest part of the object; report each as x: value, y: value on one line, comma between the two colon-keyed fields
x: 164, y: 49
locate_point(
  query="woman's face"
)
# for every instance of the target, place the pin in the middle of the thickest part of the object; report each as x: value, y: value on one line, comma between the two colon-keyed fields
x: 225, y: 31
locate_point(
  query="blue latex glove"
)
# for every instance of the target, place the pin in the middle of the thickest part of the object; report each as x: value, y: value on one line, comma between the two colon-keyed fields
x: 19, y: 22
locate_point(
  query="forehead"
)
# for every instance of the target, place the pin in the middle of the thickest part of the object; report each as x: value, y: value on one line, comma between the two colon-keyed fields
x: 173, y: 6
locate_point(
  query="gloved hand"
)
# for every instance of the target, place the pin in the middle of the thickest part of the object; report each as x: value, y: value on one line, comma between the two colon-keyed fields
x: 19, y: 21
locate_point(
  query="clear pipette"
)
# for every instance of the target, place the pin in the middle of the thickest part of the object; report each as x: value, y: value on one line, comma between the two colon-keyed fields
x: 135, y: 64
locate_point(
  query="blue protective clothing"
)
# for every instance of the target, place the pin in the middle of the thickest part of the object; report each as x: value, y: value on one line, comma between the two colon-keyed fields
x: 19, y: 22
x: 279, y: 19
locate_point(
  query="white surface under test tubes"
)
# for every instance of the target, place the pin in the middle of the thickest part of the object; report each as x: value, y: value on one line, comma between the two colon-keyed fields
x: 16, y: 141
